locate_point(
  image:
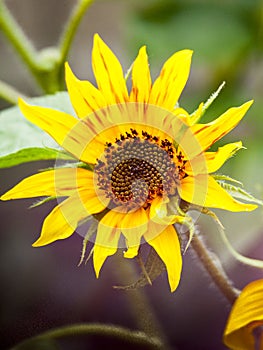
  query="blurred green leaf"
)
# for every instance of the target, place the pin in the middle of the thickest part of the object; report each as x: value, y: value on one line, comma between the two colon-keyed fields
x: 216, y: 32
x: 39, y: 344
x: 32, y: 154
x: 22, y: 141
x: 59, y: 100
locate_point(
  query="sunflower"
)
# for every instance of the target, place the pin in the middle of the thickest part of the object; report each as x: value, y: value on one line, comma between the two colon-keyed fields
x: 140, y: 158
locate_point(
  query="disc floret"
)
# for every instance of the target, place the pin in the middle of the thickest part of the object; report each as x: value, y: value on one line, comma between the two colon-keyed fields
x: 137, y: 168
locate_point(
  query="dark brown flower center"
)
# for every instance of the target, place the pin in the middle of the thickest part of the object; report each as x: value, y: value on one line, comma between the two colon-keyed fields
x: 136, y: 169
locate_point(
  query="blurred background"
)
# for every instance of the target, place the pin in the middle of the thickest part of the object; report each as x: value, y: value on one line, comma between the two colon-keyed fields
x: 43, y: 288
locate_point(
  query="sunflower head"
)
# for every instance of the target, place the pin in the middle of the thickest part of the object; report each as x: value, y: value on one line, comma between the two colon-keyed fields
x: 141, y: 160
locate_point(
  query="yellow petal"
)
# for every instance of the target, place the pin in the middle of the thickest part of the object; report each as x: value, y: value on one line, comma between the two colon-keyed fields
x: 107, y: 239
x: 92, y: 200
x: 246, y: 315
x: 58, y: 182
x: 204, y: 191
x: 102, y: 123
x: 216, y: 159
x: 61, y: 222
x: 133, y: 226
x: 84, y: 97
x: 208, y: 134
x: 184, y: 117
x: 57, y: 124
x: 67, y: 131
x: 158, y: 208
x: 168, y: 86
x: 141, y: 78
x: 167, y: 246
x: 108, y: 73
x: 212, y: 161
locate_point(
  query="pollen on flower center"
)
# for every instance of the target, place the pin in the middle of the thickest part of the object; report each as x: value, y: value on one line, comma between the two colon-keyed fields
x: 138, y: 168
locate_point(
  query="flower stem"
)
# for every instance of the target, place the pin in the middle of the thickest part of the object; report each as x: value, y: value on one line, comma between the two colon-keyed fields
x: 215, y: 270
x: 102, y: 330
x: 9, y: 93
x: 38, y: 66
x: 47, y: 65
x: 68, y: 34
x: 139, y: 304
x: 17, y: 37
x: 71, y: 27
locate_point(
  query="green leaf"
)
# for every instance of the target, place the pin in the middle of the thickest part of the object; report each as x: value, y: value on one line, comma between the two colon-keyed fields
x: 32, y: 154
x: 22, y: 141
x: 59, y: 100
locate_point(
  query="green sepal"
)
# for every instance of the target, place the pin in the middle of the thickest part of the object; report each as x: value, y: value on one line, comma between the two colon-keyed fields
x: 153, y: 268
x: 223, y: 178
x: 42, y: 201
x: 85, y: 166
x: 239, y: 193
x: 200, y: 111
x: 90, y: 232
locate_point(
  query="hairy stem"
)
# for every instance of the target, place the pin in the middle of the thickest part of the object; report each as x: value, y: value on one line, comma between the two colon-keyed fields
x: 102, y: 330
x: 215, y: 270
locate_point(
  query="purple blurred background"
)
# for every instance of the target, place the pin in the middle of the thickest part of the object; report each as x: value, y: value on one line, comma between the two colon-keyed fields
x: 43, y: 288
